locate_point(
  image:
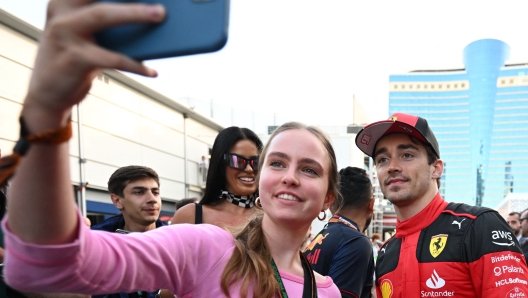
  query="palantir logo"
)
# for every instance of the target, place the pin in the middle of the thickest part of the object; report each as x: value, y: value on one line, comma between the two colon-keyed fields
x: 435, y: 282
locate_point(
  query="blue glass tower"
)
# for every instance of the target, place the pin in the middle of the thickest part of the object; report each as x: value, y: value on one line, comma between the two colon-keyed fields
x: 479, y: 115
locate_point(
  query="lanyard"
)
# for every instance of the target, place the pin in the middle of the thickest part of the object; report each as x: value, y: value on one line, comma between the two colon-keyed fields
x: 338, y: 218
x: 310, y: 287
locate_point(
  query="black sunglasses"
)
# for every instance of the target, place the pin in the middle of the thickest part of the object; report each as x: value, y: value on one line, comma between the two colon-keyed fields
x: 521, y: 220
x: 240, y: 163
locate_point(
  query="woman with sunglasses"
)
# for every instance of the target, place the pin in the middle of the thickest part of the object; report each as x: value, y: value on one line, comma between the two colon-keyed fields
x: 49, y: 248
x: 231, y: 186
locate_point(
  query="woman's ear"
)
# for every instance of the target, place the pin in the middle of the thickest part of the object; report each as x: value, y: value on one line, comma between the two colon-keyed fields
x: 329, y: 199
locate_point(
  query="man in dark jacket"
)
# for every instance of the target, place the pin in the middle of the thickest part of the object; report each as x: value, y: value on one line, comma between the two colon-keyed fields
x: 135, y: 191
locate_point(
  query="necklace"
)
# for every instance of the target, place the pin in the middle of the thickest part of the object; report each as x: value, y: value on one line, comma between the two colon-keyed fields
x: 240, y: 201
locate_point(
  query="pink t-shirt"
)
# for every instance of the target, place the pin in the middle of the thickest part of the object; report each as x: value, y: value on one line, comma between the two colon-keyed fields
x: 186, y: 259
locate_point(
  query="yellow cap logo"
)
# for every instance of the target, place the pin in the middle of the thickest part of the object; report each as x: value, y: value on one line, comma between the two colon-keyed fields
x: 386, y: 288
x: 437, y: 244
x: 393, y: 118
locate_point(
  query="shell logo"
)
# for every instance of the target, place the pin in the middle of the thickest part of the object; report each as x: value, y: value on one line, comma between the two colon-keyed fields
x: 386, y: 288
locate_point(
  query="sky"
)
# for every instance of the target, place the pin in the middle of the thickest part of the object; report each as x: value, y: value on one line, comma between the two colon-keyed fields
x: 305, y: 60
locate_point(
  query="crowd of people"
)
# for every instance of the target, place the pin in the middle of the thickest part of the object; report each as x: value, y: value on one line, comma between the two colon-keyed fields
x: 247, y: 236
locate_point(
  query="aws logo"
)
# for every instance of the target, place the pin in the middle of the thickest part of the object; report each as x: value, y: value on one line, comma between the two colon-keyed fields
x: 437, y: 244
x: 502, y: 235
x: 386, y: 288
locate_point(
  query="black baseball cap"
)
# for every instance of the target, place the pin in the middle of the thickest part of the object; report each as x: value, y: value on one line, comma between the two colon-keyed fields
x: 415, y: 126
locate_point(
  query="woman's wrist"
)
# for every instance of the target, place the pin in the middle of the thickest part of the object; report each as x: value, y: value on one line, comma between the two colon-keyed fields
x: 38, y: 119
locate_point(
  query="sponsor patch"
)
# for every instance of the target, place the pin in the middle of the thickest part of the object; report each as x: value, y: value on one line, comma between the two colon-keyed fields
x: 509, y: 281
x: 435, y: 281
x: 386, y: 288
x: 318, y: 240
x: 437, y: 244
x: 499, y: 270
x: 515, y: 292
x: 502, y: 238
x: 365, y: 139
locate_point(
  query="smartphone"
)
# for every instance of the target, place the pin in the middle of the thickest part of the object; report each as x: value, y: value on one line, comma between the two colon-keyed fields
x: 122, y: 231
x: 190, y: 27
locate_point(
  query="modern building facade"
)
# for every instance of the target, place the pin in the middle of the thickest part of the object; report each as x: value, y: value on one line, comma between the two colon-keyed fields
x: 479, y: 114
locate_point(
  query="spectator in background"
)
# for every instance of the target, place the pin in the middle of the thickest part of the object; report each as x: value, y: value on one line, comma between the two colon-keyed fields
x: 135, y: 191
x: 514, y: 221
x: 342, y: 250
x: 524, y: 228
x: 375, y: 239
x: 183, y: 202
x: 231, y: 187
x: 203, y: 164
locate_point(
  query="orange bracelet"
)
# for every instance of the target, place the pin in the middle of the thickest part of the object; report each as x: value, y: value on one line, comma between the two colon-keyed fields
x: 9, y: 163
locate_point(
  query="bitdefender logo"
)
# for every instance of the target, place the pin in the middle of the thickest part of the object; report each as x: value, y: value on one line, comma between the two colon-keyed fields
x: 436, y: 282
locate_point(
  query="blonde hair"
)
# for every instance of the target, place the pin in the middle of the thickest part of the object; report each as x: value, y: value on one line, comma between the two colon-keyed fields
x: 251, y: 258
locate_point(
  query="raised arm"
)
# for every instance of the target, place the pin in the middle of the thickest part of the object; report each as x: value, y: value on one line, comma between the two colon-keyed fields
x: 41, y: 204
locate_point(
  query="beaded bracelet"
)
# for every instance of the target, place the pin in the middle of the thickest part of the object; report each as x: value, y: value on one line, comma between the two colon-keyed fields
x: 9, y: 163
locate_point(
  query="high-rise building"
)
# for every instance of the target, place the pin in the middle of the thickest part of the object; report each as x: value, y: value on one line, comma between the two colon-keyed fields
x: 479, y: 114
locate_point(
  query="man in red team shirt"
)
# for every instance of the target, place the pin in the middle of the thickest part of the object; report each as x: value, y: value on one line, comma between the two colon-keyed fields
x: 440, y: 249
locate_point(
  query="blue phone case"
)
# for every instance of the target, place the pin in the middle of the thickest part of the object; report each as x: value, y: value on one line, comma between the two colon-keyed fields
x: 191, y: 27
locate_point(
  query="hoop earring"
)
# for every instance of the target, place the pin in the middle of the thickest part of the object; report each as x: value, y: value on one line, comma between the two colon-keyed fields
x: 324, y: 217
x: 258, y: 204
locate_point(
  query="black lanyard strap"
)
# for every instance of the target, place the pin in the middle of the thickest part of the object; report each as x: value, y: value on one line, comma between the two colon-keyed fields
x: 310, y: 287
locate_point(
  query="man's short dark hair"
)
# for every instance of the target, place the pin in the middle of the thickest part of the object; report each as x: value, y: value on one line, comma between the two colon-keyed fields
x: 356, y: 189
x: 515, y: 213
x: 123, y: 176
x: 183, y: 202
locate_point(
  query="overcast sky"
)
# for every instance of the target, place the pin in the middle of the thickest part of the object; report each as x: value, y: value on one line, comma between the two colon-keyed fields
x: 306, y: 59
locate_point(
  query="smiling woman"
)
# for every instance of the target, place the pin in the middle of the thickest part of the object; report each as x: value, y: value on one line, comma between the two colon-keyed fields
x: 231, y: 188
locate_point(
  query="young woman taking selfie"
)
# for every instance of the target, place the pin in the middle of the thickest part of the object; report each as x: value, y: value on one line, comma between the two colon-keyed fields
x: 49, y: 248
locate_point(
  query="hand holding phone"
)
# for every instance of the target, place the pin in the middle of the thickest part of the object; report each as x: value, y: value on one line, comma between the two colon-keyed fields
x: 190, y: 27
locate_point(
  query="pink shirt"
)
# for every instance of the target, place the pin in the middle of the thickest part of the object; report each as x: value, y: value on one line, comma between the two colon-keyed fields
x: 186, y: 259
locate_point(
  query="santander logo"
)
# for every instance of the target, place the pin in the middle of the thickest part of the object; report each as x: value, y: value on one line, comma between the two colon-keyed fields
x: 435, y: 282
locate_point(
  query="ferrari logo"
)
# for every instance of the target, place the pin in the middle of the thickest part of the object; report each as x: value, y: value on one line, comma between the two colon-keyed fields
x: 393, y: 118
x: 437, y: 244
